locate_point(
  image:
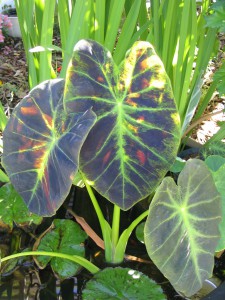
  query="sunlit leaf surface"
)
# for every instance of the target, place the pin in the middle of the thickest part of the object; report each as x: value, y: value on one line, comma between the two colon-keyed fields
x: 122, y: 283
x: 41, y: 146
x: 181, y: 232
x: 135, y: 138
x: 14, y: 210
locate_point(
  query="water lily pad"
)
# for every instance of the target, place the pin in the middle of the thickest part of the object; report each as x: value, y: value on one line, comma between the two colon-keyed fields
x: 64, y: 236
x: 122, y: 283
x: 13, y: 209
x: 182, y: 229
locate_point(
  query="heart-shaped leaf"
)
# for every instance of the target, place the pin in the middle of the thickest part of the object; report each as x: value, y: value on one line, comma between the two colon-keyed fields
x: 13, y: 209
x: 216, y: 165
x: 65, y: 236
x: 122, y: 283
x: 181, y: 231
x: 135, y: 138
x: 41, y: 146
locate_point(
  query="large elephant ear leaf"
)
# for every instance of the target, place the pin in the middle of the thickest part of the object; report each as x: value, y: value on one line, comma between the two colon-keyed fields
x: 41, y: 146
x: 135, y: 138
x: 181, y: 231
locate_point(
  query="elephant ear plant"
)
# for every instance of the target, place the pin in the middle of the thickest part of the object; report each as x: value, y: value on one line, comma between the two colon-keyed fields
x: 117, y: 126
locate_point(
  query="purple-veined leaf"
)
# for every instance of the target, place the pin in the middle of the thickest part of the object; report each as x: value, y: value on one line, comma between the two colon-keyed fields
x: 135, y: 139
x: 41, y: 146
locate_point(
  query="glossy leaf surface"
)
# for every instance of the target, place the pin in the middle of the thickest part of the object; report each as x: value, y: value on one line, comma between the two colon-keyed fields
x: 66, y: 237
x: 122, y: 283
x: 13, y: 209
x: 135, y: 138
x: 41, y: 145
x: 181, y: 232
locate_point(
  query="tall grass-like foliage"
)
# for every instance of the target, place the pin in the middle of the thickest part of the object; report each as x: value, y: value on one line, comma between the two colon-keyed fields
x: 177, y: 29
x: 185, y: 44
x: 108, y: 22
x: 36, y: 19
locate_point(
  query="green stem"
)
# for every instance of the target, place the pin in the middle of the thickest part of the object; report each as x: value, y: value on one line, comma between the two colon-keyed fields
x: 105, y: 227
x: 77, y: 259
x: 115, y: 225
x: 122, y: 243
x: 95, y: 204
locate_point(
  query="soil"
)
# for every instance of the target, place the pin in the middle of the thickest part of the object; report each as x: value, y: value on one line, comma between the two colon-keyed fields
x: 13, y: 73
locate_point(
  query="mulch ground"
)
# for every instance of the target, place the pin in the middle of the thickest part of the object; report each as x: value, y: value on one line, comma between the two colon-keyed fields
x: 13, y: 73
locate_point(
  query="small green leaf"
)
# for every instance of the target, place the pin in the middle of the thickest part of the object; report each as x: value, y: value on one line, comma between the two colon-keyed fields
x: 216, y: 19
x: 140, y: 232
x: 13, y: 209
x: 214, y: 162
x: 182, y: 229
x: 213, y: 148
x: 219, y: 77
x: 178, y: 165
x: 65, y: 237
x: 122, y: 283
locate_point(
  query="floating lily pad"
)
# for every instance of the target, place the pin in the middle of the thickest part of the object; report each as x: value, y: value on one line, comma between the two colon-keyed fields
x: 64, y: 236
x: 182, y: 229
x: 122, y: 283
x: 13, y: 209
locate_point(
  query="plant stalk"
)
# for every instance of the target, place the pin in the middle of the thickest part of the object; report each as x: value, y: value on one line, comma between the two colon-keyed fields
x: 122, y: 243
x: 105, y: 227
x: 77, y: 259
x: 115, y: 225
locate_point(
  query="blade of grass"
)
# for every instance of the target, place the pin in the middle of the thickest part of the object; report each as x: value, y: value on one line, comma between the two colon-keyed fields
x: 205, y: 46
x: 126, y: 32
x: 3, y: 118
x: 192, y: 40
x: 76, y: 23
x: 167, y: 32
x: 205, y: 100
x: 46, y: 71
x: 64, y: 20
x: 217, y: 137
x: 138, y: 33
x: 115, y: 16
x: 154, y: 35
x: 143, y: 19
x: 100, y: 7
x: 87, y: 30
x: 182, y: 41
x: 25, y: 11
